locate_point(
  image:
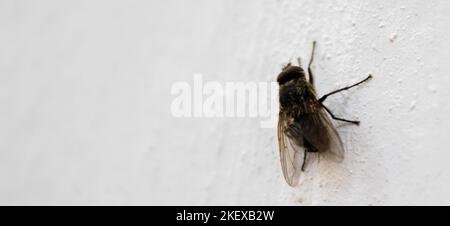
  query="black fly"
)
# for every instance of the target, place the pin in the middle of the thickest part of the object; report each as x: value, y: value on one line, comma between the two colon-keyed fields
x: 303, y: 125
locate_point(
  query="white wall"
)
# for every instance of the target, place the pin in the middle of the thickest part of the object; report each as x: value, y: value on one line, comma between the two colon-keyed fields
x: 85, y: 101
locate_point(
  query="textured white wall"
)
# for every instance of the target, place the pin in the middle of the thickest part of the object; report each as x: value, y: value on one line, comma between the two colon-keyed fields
x: 85, y: 101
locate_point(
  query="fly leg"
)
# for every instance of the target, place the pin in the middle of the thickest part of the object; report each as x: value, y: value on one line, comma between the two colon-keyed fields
x: 304, y: 160
x: 337, y: 118
x: 322, y: 99
x: 308, y: 148
x: 311, y: 77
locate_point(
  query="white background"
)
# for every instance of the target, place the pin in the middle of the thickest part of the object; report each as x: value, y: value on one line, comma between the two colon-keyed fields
x: 85, y: 101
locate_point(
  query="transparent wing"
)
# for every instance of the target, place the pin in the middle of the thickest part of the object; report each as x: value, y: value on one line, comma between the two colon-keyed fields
x: 291, y: 148
x: 319, y: 131
x: 336, y: 149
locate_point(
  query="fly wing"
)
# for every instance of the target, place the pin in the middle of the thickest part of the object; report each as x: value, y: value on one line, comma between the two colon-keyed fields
x: 291, y: 148
x: 319, y: 131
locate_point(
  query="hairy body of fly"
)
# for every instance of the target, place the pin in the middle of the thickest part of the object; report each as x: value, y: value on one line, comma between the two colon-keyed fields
x: 298, y: 97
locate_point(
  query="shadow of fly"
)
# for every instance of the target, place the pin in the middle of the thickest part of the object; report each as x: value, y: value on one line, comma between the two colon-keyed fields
x: 304, y: 123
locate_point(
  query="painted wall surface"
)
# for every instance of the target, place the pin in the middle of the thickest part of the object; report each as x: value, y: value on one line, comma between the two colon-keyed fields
x: 85, y: 101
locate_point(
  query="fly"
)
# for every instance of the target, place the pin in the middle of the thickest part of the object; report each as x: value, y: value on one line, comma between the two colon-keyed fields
x: 304, y: 124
